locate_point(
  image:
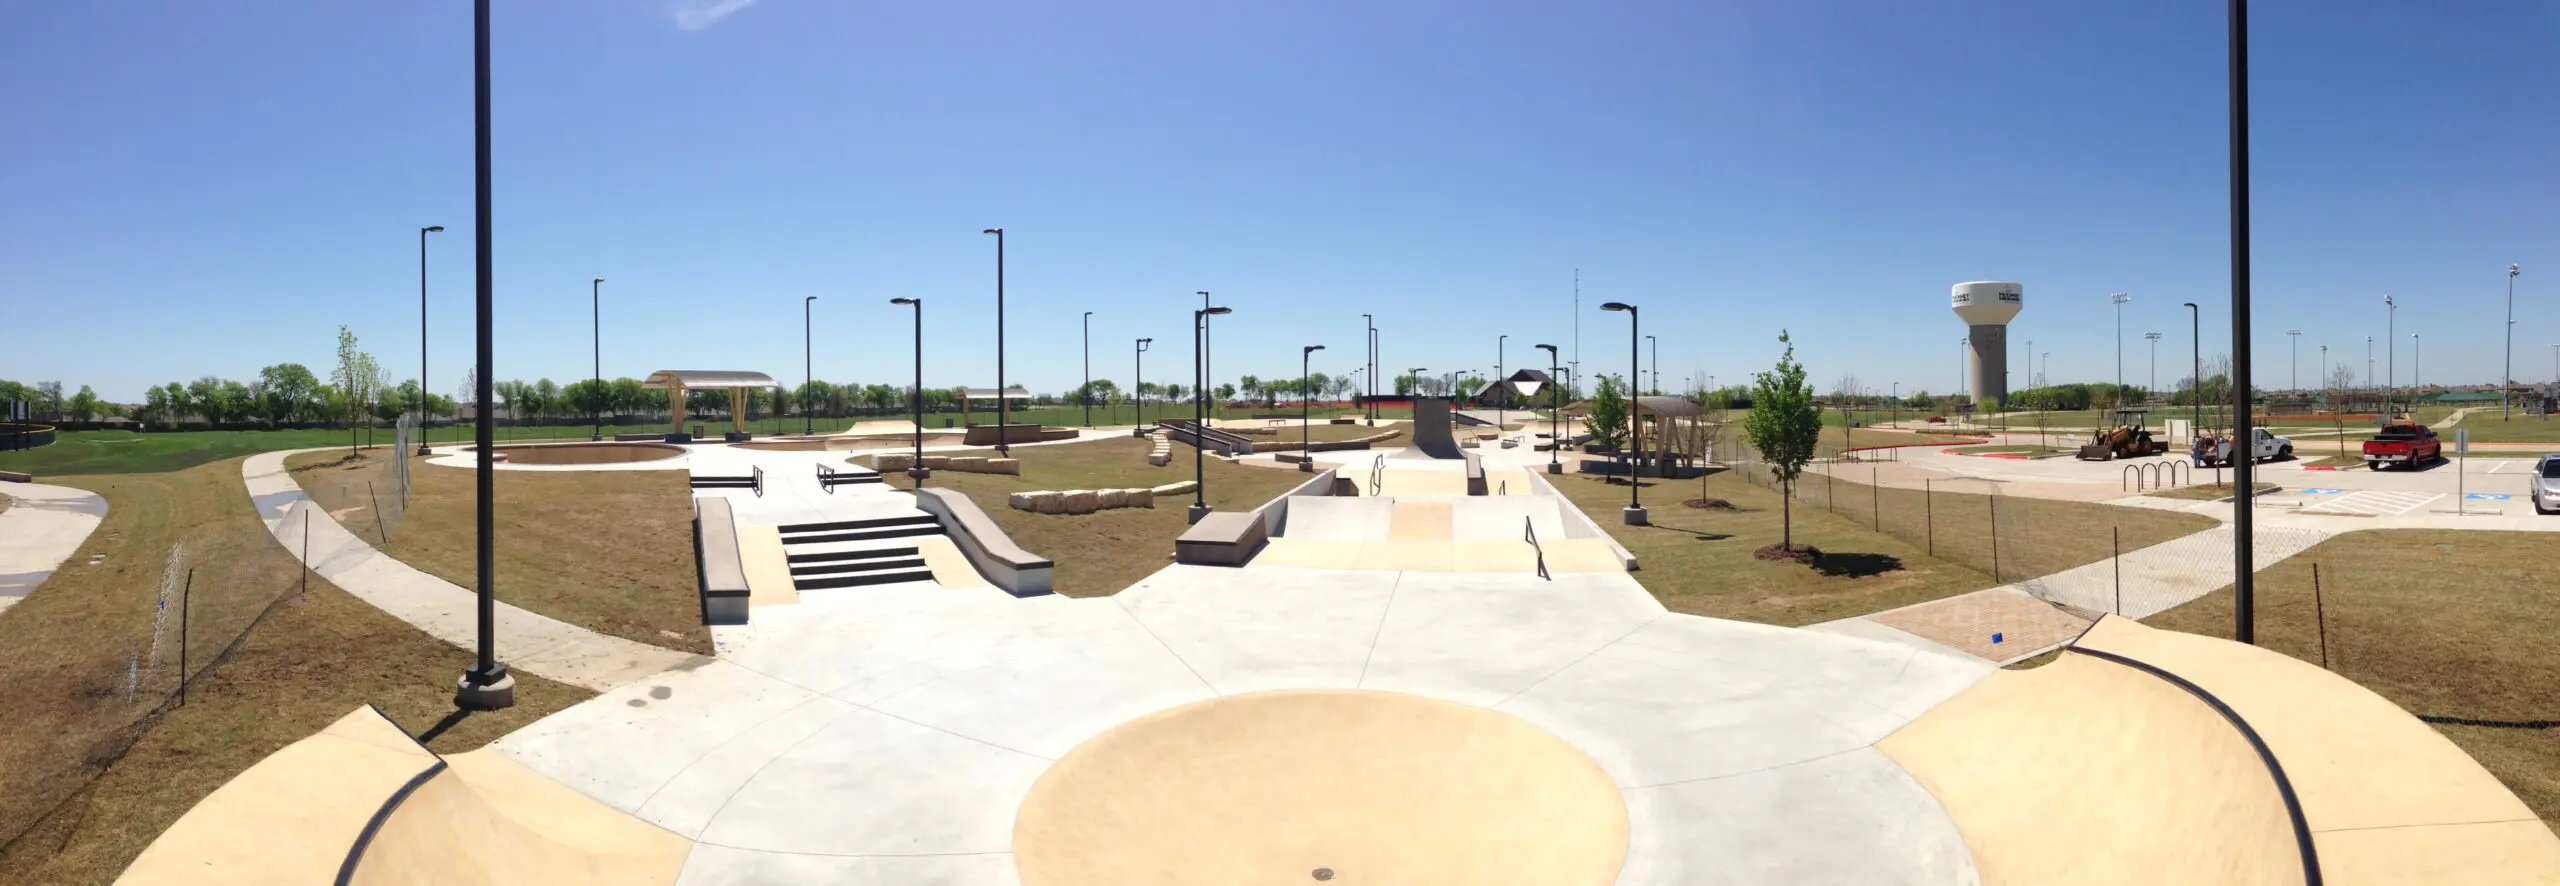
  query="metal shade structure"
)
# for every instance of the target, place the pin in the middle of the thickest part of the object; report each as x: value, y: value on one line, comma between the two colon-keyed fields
x: 677, y: 381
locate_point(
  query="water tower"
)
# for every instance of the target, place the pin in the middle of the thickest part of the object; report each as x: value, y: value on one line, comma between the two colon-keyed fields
x: 1987, y: 307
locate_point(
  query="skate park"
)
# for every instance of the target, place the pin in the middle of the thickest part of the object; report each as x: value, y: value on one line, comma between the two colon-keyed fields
x: 1401, y: 673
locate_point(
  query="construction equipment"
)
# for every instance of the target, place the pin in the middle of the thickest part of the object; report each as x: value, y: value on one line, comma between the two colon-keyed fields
x: 2129, y: 438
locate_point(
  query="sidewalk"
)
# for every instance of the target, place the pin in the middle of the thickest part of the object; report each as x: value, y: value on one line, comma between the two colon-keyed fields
x: 535, y: 644
x: 43, y: 526
x: 2033, y: 616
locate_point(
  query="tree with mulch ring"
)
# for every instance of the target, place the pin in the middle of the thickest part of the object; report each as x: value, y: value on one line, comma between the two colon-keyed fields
x: 1781, y: 553
x: 1784, y: 424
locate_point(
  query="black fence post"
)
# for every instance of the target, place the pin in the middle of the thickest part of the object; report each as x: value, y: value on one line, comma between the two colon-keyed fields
x: 1994, y: 500
x: 1929, y: 512
x: 2117, y: 559
x: 186, y: 596
x: 1875, y: 494
x: 2320, y: 613
x: 306, y: 549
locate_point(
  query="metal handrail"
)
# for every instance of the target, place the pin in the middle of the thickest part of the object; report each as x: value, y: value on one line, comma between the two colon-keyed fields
x: 1529, y: 533
x: 1377, y: 476
x: 759, y: 482
x: 826, y: 479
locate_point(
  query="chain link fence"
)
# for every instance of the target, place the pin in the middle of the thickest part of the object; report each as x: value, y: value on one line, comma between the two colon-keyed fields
x: 367, y: 490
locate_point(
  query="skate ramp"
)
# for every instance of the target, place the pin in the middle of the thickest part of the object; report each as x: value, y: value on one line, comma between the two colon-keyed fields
x: 1432, y: 437
x: 360, y: 802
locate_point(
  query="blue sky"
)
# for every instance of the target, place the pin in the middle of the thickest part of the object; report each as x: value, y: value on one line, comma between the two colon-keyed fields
x: 197, y: 188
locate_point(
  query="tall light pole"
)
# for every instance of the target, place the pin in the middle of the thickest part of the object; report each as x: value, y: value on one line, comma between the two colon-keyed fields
x: 487, y: 685
x: 1635, y: 514
x: 808, y: 376
x: 2417, y: 389
x: 1200, y: 407
x: 1306, y: 395
x: 1002, y: 399
x: 1372, y: 411
x: 1088, y: 369
x: 422, y: 333
x: 1961, y: 384
x: 1498, y: 342
x: 1139, y: 388
x: 2390, y: 356
x: 916, y: 472
x: 2293, y: 364
x: 1416, y: 373
x: 2368, y: 362
x: 2244, y: 469
x: 1656, y: 346
x: 595, y: 332
x: 2195, y: 382
x: 1555, y: 419
x: 2119, y: 299
x: 2507, y: 371
x: 1897, y: 403
x: 2153, y: 387
x: 2324, y: 375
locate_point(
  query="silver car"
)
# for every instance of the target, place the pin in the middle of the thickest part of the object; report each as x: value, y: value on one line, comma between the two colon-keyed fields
x: 2546, y: 485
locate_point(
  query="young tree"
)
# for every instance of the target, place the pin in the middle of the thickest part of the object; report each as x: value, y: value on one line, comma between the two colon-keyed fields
x: 84, y: 405
x: 1784, y: 425
x: 1608, y: 420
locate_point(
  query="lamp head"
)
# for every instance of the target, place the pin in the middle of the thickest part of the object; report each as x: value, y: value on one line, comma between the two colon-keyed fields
x: 2191, y: 306
x: 802, y: 301
x: 1221, y: 309
x: 906, y: 301
x: 996, y: 231
x: 2512, y: 270
x: 1617, y: 306
x: 432, y: 229
x: 2120, y: 297
x: 1310, y: 349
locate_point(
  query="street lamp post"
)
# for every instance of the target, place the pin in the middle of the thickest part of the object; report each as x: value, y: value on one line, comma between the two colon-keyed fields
x: 487, y: 685
x: 1498, y: 342
x: 2195, y: 382
x: 2153, y: 386
x: 2368, y: 363
x: 808, y: 377
x: 1897, y: 403
x: 1200, y: 407
x: 1656, y: 346
x: 2507, y: 370
x: 2390, y: 357
x: 1306, y: 395
x: 916, y: 472
x: 422, y: 333
x: 1635, y: 514
x: 2417, y: 388
x: 1372, y: 411
x: 1002, y: 399
x: 1087, y: 396
x: 1140, y: 388
x: 595, y: 339
x: 2119, y: 299
x: 1555, y: 418
x: 2293, y: 363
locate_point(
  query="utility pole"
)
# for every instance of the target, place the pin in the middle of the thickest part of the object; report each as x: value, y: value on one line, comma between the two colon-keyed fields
x: 2120, y: 298
x: 2294, y: 363
x: 2153, y: 388
x: 2507, y: 370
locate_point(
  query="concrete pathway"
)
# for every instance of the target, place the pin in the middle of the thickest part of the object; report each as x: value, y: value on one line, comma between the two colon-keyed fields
x: 535, y: 644
x: 892, y: 737
x: 43, y: 526
x: 2037, y: 615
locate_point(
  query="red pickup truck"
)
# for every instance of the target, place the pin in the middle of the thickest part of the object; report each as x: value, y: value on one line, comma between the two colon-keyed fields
x: 2405, y: 445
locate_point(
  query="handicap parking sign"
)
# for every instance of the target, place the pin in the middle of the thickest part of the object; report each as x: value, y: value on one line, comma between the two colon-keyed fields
x: 2483, y: 496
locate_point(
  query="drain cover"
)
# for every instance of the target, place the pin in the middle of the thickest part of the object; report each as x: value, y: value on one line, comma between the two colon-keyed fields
x: 1324, y: 873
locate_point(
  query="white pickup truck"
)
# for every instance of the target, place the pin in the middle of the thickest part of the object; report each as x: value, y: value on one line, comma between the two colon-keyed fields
x: 2214, y: 449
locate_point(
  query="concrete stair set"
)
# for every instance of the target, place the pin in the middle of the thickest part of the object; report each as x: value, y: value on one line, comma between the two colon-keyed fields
x: 857, y: 553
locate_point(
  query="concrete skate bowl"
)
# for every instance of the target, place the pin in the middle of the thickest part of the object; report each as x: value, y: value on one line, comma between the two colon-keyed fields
x: 1308, y: 786
x: 2148, y: 756
x: 361, y: 803
x: 583, y: 453
x: 841, y: 443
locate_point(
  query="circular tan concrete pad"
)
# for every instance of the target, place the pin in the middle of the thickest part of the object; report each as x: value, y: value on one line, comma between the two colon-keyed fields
x: 1374, y: 787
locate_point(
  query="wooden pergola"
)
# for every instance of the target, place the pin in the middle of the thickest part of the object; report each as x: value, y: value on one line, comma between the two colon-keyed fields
x: 677, y: 381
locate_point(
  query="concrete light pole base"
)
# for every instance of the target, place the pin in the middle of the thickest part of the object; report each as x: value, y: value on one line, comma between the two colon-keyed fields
x: 1195, y: 512
x: 1555, y: 467
x: 491, y: 696
x: 1636, y: 516
x: 424, y: 451
x: 918, y: 474
x: 1306, y: 465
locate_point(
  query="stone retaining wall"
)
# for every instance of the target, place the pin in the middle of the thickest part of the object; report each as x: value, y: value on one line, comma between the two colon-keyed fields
x: 966, y: 464
x: 1086, y: 501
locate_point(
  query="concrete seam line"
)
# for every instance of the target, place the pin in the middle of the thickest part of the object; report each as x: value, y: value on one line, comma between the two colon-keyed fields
x: 2284, y: 785
x: 355, y: 853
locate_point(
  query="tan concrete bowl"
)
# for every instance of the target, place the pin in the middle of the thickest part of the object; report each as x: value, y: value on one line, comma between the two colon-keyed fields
x: 583, y: 453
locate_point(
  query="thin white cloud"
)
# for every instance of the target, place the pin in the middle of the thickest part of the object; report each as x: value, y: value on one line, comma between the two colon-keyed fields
x: 695, y: 15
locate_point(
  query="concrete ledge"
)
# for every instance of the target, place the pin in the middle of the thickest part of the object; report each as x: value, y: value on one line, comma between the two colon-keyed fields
x: 17, y: 476
x: 1223, y: 538
x: 1475, y: 475
x: 1578, y: 524
x: 1275, y: 513
x: 985, y: 435
x: 1004, y: 564
x: 722, y: 571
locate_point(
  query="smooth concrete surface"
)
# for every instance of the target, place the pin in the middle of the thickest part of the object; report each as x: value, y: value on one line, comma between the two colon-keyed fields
x: 1365, y: 786
x: 290, y: 817
x: 768, y: 566
x: 535, y: 644
x: 43, y: 527
x: 2086, y: 771
x: 1004, y: 564
x: 1338, y: 517
x: 488, y: 820
x: 1223, y: 538
x: 951, y: 567
x: 893, y: 736
x: 2374, y: 782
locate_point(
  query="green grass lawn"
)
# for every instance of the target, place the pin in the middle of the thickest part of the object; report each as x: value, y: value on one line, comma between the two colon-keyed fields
x: 2453, y: 626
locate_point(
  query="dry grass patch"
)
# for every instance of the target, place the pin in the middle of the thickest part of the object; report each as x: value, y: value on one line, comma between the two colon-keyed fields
x: 1701, y: 561
x: 1101, y: 552
x: 2455, y: 626
x: 96, y: 761
x: 609, y: 551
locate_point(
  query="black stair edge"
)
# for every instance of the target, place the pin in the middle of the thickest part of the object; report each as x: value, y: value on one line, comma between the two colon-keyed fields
x: 860, y: 579
x: 856, y: 566
x: 867, y: 535
x: 874, y: 523
x: 872, y: 554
